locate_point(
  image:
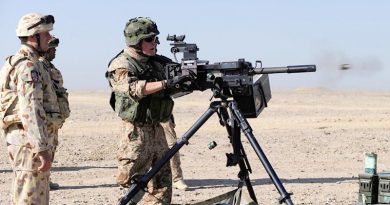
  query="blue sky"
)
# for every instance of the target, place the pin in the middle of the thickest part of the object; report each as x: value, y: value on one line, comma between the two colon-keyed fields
x: 326, y: 33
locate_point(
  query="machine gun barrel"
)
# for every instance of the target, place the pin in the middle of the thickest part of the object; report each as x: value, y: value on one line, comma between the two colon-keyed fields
x: 287, y: 69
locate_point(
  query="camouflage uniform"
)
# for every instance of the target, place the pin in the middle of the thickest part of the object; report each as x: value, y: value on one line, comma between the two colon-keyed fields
x: 169, y: 129
x: 140, y: 96
x: 141, y: 144
x: 27, y: 137
x: 56, y: 100
x: 23, y: 118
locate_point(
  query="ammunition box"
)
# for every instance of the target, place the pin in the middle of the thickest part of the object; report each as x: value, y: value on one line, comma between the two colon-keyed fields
x: 260, y: 94
x: 368, y: 188
x: 384, y: 188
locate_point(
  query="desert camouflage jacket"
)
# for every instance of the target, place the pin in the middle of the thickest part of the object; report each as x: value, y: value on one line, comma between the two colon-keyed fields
x: 26, y: 79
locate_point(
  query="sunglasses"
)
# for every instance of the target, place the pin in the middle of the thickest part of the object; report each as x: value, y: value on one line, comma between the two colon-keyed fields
x: 44, y: 20
x: 54, y: 42
x: 152, y: 39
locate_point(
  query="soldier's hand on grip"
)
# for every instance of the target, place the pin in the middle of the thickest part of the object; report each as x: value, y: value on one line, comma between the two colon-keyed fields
x: 177, y: 81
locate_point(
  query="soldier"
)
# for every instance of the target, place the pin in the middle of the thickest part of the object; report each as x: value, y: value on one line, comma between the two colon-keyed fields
x: 58, y: 109
x: 23, y: 117
x: 177, y: 173
x: 140, y: 97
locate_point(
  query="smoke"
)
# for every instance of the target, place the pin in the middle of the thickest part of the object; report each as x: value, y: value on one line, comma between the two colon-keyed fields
x: 330, y: 72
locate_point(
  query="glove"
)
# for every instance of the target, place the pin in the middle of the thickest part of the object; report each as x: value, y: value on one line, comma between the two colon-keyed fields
x: 177, y: 81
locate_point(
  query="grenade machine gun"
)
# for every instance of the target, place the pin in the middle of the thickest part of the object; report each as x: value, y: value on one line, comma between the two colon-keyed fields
x: 244, y: 92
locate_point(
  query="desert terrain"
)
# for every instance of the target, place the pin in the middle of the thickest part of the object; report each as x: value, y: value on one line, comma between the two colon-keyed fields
x: 315, y: 140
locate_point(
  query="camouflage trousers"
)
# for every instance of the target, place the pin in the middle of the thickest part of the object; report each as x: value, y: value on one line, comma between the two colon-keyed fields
x: 170, y: 134
x: 29, y: 186
x: 140, y: 147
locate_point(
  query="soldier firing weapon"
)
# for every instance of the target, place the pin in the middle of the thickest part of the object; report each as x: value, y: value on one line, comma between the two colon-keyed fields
x: 244, y: 92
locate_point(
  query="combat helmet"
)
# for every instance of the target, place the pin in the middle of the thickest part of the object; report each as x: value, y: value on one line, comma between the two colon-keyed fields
x: 34, y: 23
x: 139, y: 28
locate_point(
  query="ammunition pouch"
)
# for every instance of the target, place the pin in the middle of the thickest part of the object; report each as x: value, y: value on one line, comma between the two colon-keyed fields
x: 125, y: 107
x: 149, y: 110
x: 54, y: 120
x: 63, y: 102
x: 161, y: 109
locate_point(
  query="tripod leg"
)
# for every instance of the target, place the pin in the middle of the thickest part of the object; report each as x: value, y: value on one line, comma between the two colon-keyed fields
x: 243, y: 162
x: 239, y: 155
x: 247, y: 130
x: 142, y: 183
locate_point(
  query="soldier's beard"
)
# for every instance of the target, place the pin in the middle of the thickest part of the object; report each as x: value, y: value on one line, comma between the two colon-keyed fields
x: 50, y: 56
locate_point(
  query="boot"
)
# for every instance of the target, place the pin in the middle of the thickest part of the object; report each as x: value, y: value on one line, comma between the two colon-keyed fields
x: 54, y: 186
x: 180, y: 184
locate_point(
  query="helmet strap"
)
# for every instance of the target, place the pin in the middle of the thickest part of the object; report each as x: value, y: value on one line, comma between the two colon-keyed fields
x: 139, y: 52
x: 38, y: 37
x: 138, y: 49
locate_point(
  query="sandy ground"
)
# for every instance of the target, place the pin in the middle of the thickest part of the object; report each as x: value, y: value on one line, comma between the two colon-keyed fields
x: 314, y: 138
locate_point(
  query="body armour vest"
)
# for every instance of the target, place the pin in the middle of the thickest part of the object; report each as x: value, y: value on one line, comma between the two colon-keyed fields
x: 55, y: 103
x: 50, y: 102
x: 151, y: 109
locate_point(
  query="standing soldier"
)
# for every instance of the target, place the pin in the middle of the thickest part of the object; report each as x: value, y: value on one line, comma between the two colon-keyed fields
x: 177, y: 173
x: 56, y: 106
x: 23, y: 117
x: 140, y: 97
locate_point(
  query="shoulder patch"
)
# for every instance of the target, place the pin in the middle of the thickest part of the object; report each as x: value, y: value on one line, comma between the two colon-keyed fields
x: 34, y: 76
x: 28, y: 72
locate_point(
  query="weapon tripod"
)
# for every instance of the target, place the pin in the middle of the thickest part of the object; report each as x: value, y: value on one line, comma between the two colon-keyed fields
x: 234, y: 123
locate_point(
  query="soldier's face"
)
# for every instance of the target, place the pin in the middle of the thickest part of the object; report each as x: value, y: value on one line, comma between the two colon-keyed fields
x: 149, y: 47
x: 45, y: 38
